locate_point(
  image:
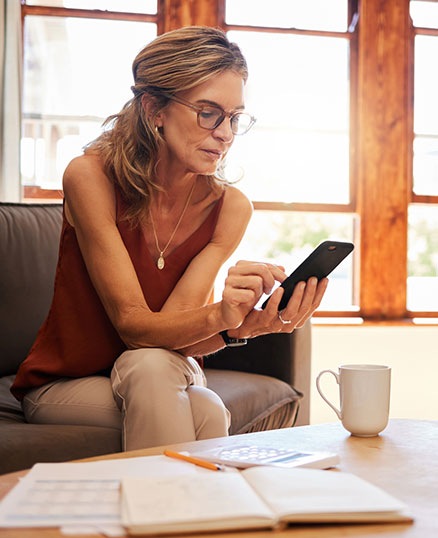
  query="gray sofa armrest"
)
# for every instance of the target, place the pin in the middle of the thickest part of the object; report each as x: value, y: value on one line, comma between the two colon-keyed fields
x: 283, y: 356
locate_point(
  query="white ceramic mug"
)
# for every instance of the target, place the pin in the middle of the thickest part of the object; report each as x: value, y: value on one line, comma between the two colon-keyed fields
x: 364, y: 392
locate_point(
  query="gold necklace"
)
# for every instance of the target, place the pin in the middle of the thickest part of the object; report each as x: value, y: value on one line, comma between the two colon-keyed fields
x: 160, y: 261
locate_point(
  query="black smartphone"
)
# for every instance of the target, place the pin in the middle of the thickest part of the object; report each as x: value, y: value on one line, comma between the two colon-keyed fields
x: 320, y: 263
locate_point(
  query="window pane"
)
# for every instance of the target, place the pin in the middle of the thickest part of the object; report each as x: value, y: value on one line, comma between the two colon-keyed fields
x: 426, y: 85
x: 426, y: 165
x: 424, y: 14
x: 426, y: 116
x: 422, y: 285
x: 128, y: 6
x: 76, y: 74
x: 298, y: 88
x: 287, y: 238
x: 311, y: 14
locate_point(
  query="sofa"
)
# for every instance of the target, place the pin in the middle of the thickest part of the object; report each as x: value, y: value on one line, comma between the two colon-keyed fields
x: 265, y: 384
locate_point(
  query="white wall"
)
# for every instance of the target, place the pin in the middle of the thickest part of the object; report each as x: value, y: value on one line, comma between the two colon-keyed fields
x: 412, y: 353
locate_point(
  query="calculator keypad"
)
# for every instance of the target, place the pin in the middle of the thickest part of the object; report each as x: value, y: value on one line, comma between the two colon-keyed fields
x: 258, y: 454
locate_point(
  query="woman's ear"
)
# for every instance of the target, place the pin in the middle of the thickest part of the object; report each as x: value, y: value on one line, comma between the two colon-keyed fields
x: 150, y: 105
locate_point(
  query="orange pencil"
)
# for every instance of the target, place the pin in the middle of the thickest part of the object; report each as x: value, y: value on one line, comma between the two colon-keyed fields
x: 195, y: 461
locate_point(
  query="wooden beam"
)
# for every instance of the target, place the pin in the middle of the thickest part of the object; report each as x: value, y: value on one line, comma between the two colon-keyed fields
x: 51, y: 11
x: 33, y: 192
x: 287, y: 31
x: 298, y: 206
x: 383, y: 155
x: 179, y: 13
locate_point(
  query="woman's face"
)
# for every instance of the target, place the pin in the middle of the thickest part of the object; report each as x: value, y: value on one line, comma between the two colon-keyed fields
x: 189, y: 147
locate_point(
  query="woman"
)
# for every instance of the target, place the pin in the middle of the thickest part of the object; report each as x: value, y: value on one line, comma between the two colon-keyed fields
x: 146, y: 228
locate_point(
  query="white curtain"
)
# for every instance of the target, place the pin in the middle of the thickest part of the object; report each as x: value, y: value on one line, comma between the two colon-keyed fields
x: 10, y: 99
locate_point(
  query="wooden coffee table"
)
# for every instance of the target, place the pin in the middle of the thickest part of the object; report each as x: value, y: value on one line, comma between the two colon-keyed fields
x: 402, y: 461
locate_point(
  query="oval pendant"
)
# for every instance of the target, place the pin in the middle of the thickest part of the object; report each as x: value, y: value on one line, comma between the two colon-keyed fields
x: 160, y: 262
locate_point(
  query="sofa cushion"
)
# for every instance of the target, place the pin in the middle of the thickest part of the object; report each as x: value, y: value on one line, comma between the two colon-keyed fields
x: 10, y: 408
x: 29, y: 240
x: 23, y: 445
x: 256, y: 402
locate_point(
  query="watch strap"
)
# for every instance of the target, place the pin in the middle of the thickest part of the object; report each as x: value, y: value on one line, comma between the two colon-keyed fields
x: 232, y: 342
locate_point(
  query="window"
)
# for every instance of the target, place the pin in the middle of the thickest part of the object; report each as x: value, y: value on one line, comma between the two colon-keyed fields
x: 423, y: 211
x: 77, y: 71
x: 295, y: 162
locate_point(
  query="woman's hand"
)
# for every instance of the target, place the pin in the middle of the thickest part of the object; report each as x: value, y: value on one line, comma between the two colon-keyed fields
x: 245, y: 284
x: 305, y: 299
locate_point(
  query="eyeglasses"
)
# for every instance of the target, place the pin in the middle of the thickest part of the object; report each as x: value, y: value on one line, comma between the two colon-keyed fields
x: 210, y: 116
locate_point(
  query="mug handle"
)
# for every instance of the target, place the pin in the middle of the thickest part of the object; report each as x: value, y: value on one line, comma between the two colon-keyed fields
x: 335, y: 409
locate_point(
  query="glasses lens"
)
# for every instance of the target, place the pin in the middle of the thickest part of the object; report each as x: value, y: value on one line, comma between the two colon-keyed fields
x: 210, y: 117
x: 241, y: 123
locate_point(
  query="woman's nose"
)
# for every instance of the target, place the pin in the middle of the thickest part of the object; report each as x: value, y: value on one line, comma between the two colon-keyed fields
x: 224, y: 131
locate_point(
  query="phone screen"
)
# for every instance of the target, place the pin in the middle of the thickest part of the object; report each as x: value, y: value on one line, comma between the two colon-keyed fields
x: 320, y: 263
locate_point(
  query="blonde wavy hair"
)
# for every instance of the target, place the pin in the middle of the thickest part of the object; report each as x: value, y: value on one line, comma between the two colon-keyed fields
x: 175, y: 61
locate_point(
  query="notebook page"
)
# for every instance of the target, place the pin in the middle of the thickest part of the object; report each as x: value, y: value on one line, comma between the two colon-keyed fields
x: 57, y: 494
x: 291, y: 492
x: 219, y: 496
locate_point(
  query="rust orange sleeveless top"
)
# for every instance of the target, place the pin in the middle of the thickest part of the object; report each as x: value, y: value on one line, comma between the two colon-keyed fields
x: 77, y: 339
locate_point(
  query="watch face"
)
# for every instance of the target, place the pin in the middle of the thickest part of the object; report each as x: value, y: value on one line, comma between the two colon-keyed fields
x: 237, y: 342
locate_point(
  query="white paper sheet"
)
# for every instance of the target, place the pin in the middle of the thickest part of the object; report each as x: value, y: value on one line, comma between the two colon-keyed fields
x: 60, y: 494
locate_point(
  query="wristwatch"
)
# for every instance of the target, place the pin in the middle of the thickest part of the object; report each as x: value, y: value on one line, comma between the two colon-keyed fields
x: 233, y: 342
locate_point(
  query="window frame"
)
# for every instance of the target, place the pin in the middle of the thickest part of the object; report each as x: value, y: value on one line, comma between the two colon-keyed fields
x: 352, y: 35
x: 381, y: 187
x: 417, y: 199
x: 34, y: 192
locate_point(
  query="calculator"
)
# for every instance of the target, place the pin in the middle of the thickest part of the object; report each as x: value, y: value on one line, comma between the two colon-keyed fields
x: 250, y: 455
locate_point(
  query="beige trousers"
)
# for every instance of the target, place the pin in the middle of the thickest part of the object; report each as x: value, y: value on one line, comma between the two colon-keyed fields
x: 154, y: 397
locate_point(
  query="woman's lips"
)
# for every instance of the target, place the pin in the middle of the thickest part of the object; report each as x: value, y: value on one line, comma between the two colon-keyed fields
x: 213, y: 154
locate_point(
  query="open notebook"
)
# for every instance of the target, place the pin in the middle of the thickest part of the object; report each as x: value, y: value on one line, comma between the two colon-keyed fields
x: 258, y: 497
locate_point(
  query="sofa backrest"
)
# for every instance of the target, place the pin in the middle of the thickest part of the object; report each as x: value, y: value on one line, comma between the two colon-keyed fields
x: 29, y: 244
